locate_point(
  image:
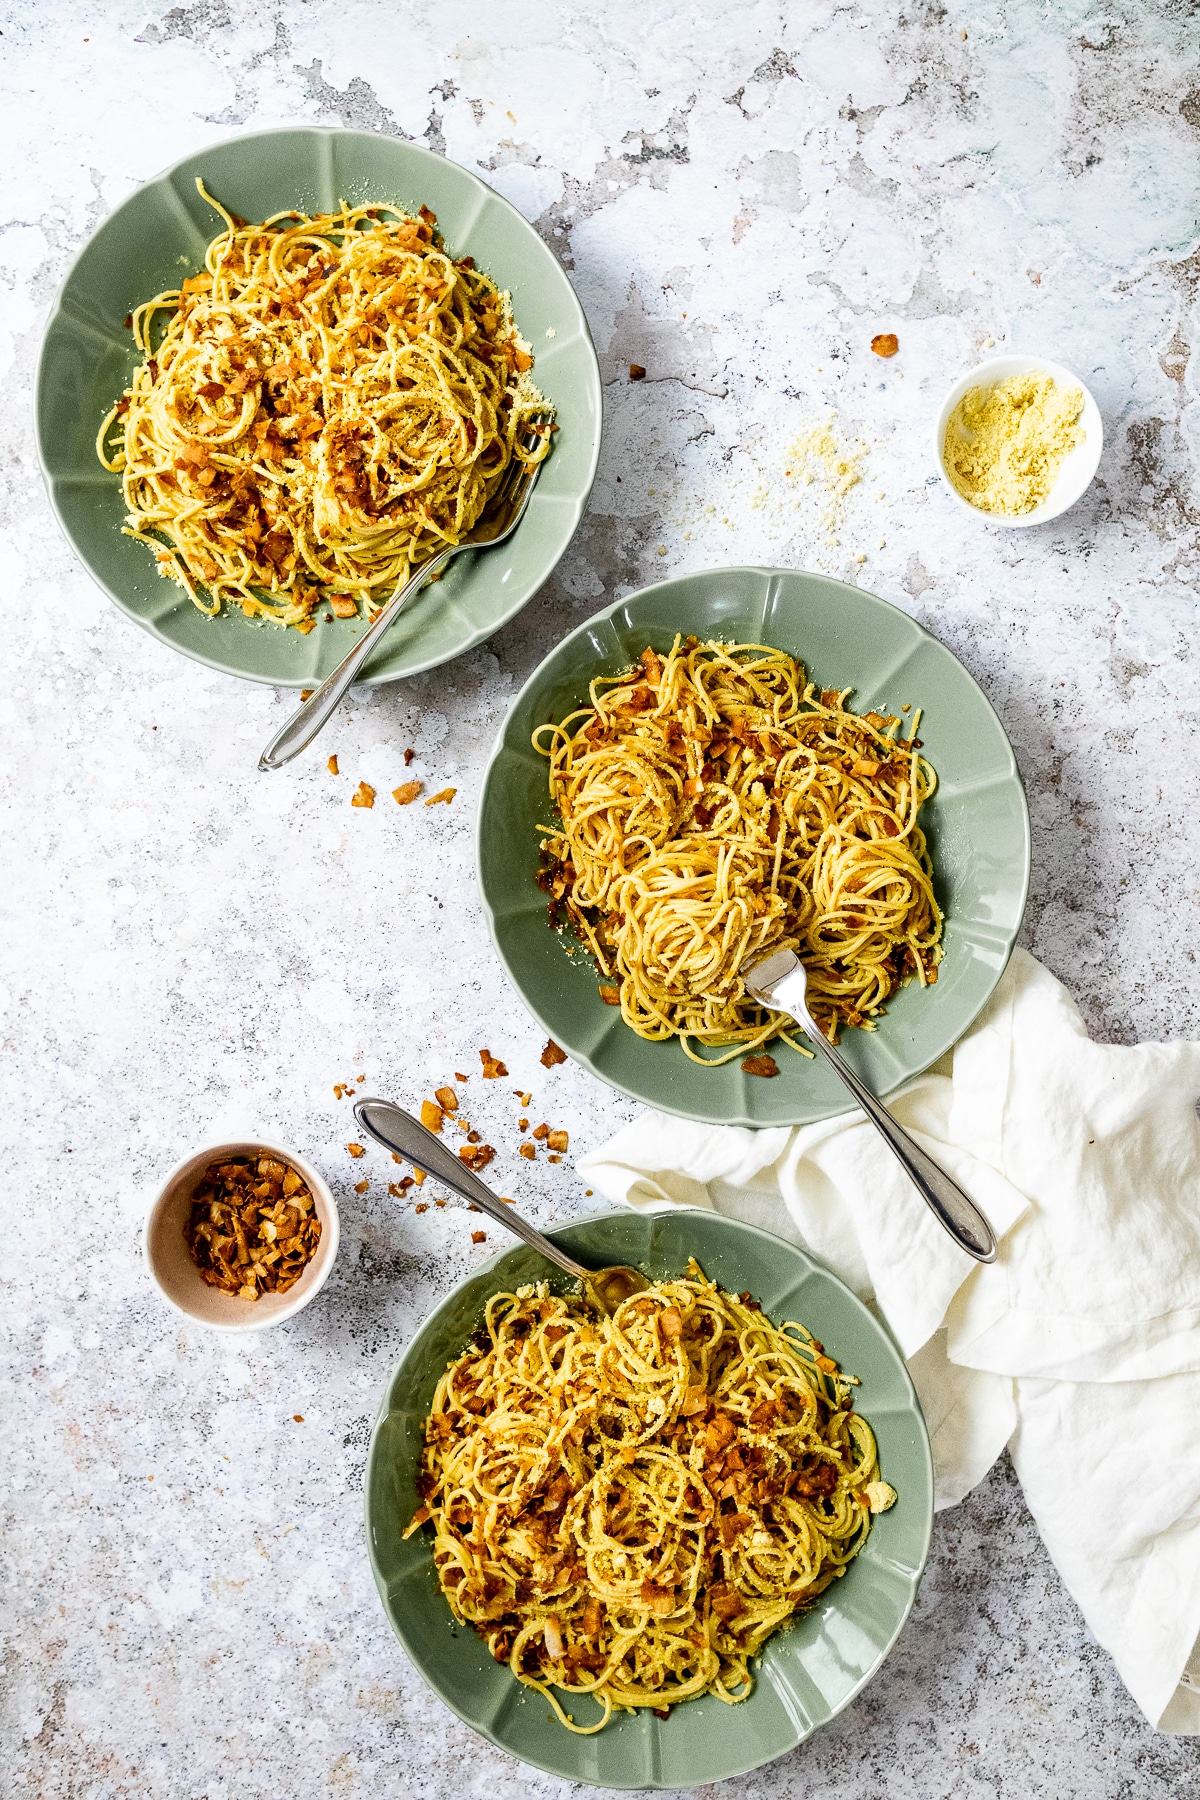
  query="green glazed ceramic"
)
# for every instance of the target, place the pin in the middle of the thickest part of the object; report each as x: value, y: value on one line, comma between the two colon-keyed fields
x: 977, y: 825
x: 157, y: 237
x: 810, y: 1670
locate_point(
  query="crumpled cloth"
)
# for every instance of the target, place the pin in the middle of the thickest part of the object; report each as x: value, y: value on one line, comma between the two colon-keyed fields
x: 1079, y: 1348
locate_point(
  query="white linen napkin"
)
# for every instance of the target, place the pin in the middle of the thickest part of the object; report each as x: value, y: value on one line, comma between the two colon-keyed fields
x: 1079, y: 1347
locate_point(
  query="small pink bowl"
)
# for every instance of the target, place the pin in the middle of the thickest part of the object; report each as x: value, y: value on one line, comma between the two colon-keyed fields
x: 179, y: 1280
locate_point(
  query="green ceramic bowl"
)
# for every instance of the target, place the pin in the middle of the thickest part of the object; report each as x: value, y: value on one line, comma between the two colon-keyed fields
x: 158, y: 236
x: 808, y: 1672
x: 977, y: 825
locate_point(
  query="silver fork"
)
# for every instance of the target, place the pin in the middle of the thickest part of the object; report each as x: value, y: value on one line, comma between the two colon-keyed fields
x: 498, y: 521
x: 780, y: 983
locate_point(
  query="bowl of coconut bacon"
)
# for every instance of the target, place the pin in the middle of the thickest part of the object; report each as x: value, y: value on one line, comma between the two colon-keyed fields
x: 1018, y: 440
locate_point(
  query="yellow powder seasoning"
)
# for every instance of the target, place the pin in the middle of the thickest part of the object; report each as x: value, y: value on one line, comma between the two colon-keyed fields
x: 821, y: 453
x: 1004, y: 443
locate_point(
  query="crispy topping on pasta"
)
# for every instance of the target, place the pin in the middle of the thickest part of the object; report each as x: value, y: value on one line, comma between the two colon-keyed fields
x: 713, y: 807
x: 334, y: 400
x: 628, y: 1507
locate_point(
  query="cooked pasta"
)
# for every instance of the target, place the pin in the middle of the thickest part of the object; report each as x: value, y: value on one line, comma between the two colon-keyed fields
x: 714, y: 807
x: 627, y: 1507
x: 333, y: 401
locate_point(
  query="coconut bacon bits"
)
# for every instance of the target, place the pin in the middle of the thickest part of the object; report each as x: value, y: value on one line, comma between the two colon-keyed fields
x: 253, y: 1228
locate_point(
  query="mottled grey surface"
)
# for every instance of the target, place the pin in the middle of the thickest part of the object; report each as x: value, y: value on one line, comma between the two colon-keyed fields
x: 744, y: 195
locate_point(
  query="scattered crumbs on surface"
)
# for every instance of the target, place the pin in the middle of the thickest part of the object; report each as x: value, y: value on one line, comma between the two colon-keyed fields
x: 332, y: 766
x: 886, y: 343
x: 363, y: 795
x: 298, y: 1418
x: 360, y: 1187
x: 821, y: 449
x: 406, y: 793
x: 550, y: 331
x: 355, y: 1149
x: 636, y: 372
x: 446, y: 795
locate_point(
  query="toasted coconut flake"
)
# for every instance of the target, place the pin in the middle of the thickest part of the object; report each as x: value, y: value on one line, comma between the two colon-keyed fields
x: 245, y: 1239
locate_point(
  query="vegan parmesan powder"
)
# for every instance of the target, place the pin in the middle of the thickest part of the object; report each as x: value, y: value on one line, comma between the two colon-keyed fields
x: 1005, y: 443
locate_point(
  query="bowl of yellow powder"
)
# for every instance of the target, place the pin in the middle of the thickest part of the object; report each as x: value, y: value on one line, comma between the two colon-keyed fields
x: 1018, y: 440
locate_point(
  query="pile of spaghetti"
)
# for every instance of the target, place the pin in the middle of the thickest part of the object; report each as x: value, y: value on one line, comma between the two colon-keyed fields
x: 628, y: 1507
x: 334, y: 400
x: 715, y: 807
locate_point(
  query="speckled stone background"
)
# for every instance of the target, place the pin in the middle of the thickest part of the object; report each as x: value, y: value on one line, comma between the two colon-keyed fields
x: 743, y: 194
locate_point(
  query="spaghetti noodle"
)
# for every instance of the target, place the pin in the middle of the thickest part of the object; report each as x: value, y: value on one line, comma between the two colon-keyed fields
x: 628, y: 1507
x: 334, y: 400
x: 715, y: 807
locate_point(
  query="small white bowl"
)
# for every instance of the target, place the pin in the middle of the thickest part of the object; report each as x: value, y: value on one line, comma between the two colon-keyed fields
x: 1076, y: 471
x: 180, y: 1282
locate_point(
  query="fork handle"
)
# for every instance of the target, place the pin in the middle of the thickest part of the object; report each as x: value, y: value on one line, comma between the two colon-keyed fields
x: 955, y: 1211
x: 323, y: 702
x: 399, y: 1132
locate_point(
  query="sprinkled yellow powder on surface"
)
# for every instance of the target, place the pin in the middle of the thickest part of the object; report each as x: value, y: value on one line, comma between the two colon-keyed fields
x: 821, y: 454
x: 1005, y: 443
